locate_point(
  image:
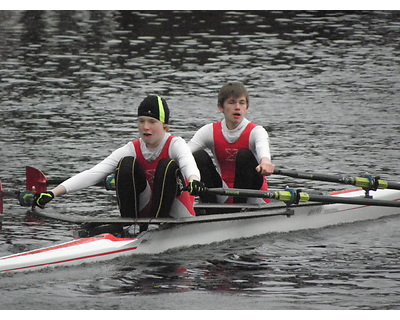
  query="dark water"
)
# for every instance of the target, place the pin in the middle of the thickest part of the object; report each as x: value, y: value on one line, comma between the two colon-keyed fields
x: 324, y: 84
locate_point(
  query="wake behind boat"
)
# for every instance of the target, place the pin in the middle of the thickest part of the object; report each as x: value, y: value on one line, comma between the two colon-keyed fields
x: 247, y: 221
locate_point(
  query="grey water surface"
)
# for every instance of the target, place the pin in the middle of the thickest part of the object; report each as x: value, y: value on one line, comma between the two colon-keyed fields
x: 325, y: 84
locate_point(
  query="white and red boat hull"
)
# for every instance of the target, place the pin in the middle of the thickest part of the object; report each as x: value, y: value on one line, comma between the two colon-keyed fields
x: 77, y: 251
x: 204, y: 230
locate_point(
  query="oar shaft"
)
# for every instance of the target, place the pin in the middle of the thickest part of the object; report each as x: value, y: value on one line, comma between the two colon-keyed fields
x: 393, y: 185
x: 9, y: 193
x: 290, y: 196
x: 243, y: 193
x: 355, y: 200
x: 362, y: 182
x: 4, y: 193
x: 287, y: 196
x: 309, y: 176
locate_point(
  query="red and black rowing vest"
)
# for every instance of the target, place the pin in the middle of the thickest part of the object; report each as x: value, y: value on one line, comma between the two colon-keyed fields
x: 226, y: 152
x: 150, y: 167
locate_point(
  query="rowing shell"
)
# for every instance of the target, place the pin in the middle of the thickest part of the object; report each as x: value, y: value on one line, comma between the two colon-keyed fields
x: 98, y: 248
x: 202, y: 230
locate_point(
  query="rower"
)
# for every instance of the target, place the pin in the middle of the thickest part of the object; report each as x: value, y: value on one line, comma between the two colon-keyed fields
x: 149, y: 171
x: 240, y: 148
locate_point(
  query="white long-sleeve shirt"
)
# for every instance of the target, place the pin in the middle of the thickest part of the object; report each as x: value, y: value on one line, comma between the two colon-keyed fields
x: 178, y: 150
x: 259, y: 139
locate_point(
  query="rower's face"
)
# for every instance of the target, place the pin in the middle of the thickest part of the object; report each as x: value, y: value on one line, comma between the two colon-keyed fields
x: 234, y: 110
x: 151, y: 131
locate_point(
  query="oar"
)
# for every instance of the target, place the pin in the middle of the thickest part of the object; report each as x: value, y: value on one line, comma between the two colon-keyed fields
x: 367, y: 182
x: 291, y: 196
x: 91, y: 221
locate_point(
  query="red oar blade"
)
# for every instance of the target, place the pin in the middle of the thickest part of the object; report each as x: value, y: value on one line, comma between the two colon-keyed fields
x: 35, y: 180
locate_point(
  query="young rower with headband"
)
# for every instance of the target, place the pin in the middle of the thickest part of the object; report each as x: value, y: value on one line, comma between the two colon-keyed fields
x: 240, y: 148
x: 148, y: 170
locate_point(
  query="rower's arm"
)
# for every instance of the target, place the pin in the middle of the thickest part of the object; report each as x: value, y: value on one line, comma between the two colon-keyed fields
x: 59, y: 191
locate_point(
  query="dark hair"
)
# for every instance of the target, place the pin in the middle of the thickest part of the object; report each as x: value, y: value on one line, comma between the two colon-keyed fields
x: 236, y: 89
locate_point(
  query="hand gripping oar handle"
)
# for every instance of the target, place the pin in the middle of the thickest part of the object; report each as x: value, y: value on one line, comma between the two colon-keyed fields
x: 367, y: 182
x: 291, y: 196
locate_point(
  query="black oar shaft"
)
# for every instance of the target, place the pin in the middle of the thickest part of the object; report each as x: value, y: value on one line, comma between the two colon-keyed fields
x: 355, y: 200
x: 309, y: 176
x: 363, y: 182
x: 289, y: 196
x: 9, y: 193
x: 244, y: 193
x: 393, y: 185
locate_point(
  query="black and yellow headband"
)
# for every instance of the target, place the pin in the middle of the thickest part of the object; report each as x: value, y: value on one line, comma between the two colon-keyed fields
x: 155, y: 107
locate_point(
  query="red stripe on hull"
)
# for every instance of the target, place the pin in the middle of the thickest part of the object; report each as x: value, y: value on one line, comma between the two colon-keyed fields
x: 72, y: 243
x: 69, y: 260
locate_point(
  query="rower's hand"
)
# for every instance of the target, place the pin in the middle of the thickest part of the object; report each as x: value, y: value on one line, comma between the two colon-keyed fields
x: 265, y: 169
x: 41, y: 199
x: 25, y: 198
x: 110, y: 183
x: 195, y: 187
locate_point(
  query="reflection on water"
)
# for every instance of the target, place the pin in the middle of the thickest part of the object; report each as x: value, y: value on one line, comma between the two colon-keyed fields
x: 325, y: 84
x: 89, y: 53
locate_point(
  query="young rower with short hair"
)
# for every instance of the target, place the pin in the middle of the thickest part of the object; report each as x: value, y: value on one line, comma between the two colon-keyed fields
x: 147, y: 171
x: 240, y: 148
